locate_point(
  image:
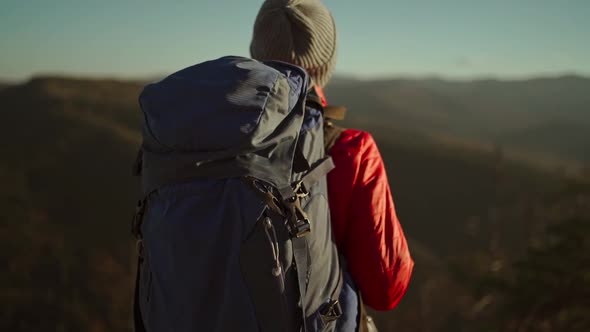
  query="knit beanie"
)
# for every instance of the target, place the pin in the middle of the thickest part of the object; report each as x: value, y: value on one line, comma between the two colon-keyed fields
x: 300, y: 32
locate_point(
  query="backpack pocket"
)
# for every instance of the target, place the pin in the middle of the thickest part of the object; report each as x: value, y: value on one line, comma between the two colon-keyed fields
x: 265, y: 263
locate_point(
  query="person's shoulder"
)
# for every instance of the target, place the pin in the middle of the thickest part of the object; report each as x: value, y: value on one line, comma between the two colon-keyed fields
x: 355, y: 137
x: 355, y: 140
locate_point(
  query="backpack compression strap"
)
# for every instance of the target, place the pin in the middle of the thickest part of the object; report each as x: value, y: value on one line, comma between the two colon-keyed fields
x: 299, y: 227
x: 136, y: 222
x: 136, y: 231
x: 287, y: 203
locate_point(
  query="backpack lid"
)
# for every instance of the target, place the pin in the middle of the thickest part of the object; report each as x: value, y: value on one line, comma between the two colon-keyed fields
x: 228, y: 117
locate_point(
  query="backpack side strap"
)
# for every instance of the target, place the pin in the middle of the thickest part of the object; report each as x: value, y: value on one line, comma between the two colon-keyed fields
x: 136, y: 231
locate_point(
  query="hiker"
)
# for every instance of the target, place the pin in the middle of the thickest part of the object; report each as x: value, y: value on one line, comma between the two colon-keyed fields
x: 366, y: 229
x: 233, y: 228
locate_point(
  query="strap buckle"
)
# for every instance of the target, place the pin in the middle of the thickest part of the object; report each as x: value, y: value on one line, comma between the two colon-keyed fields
x: 297, y: 223
x: 300, y: 190
x: 331, y: 312
x: 265, y: 193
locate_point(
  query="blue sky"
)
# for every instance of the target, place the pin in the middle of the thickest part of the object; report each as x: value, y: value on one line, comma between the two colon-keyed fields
x: 450, y: 38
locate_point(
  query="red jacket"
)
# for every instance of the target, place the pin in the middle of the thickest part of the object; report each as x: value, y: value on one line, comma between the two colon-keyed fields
x: 364, y: 221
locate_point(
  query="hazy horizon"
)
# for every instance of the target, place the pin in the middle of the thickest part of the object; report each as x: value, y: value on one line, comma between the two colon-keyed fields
x: 336, y: 76
x: 457, y: 39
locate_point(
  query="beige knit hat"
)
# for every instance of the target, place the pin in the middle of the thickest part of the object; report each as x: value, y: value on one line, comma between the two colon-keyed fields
x: 300, y: 32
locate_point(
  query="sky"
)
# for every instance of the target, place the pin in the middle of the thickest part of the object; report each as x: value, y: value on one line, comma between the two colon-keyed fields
x: 376, y: 38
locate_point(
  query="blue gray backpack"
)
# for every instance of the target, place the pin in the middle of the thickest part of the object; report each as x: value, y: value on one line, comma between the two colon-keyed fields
x: 234, y: 228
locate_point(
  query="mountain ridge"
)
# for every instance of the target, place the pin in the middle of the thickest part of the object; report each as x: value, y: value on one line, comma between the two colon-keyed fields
x: 417, y: 114
x: 68, y: 195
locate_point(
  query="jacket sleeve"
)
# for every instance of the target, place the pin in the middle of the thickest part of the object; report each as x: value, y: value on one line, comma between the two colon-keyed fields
x: 366, y: 227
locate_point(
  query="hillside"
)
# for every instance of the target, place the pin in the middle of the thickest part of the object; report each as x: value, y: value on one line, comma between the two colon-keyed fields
x: 66, y: 202
x: 545, y: 118
x: 4, y: 85
x: 68, y: 195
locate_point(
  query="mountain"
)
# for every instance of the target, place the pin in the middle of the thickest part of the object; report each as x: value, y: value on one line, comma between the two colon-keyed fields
x: 544, y: 119
x: 66, y: 201
x: 469, y: 209
x: 4, y: 85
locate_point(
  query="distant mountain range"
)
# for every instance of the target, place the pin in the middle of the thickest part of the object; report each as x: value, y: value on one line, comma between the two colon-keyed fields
x: 67, y: 191
x: 540, y: 120
x: 544, y: 119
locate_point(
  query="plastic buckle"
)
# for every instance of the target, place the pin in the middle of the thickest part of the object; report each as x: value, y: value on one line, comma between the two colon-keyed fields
x: 299, y: 224
x: 300, y: 190
x: 331, y: 312
x: 301, y: 228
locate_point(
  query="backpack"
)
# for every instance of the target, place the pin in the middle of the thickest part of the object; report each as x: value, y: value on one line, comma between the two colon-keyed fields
x: 234, y: 228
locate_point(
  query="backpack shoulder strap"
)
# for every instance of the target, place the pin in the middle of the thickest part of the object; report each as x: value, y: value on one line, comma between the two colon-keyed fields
x: 331, y: 134
x: 335, y: 112
x: 331, y: 131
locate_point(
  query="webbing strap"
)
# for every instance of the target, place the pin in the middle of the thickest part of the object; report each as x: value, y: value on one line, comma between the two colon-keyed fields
x: 136, y: 231
x: 302, y: 261
x: 335, y: 112
x: 138, y: 325
x: 300, y: 245
x: 323, y: 167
